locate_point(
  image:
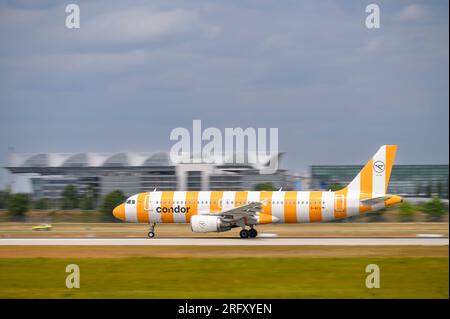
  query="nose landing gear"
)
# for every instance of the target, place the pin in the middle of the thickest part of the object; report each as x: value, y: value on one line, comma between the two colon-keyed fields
x: 151, y: 233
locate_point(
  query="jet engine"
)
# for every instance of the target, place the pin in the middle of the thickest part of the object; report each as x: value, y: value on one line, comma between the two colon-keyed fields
x: 208, y: 223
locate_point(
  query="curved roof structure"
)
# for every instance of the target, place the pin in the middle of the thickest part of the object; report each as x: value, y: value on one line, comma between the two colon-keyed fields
x: 89, y: 159
x: 126, y: 159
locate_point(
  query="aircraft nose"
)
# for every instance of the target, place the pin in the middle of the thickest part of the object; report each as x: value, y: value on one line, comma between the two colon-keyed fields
x: 119, y: 212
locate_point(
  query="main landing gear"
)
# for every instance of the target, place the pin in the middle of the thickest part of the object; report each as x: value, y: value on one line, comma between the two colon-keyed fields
x: 252, y: 233
x: 151, y: 233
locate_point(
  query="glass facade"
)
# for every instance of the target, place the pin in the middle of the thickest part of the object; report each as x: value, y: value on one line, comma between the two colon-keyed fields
x: 406, y: 180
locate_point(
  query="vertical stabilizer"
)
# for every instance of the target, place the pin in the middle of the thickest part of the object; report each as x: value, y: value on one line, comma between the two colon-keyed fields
x: 373, y: 179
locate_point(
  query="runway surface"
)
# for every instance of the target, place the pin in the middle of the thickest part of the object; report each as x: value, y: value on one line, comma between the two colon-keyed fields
x: 413, y: 241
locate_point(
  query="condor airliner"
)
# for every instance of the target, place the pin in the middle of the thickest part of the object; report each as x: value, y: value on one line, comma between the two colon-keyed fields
x: 220, y: 211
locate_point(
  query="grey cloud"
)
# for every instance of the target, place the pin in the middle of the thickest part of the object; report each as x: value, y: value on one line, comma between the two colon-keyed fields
x: 414, y: 12
x: 134, y: 71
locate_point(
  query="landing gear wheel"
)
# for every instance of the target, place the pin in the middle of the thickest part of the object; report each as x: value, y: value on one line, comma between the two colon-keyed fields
x: 244, y: 233
x: 252, y: 233
x: 151, y: 232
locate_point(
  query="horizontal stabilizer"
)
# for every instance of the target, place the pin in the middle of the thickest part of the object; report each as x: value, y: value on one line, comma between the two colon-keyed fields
x: 373, y: 201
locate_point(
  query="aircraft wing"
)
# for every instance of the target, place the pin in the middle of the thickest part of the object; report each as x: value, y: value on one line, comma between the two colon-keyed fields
x: 245, y: 211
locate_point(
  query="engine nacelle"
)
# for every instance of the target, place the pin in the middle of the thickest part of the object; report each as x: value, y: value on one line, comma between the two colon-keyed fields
x: 208, y: 223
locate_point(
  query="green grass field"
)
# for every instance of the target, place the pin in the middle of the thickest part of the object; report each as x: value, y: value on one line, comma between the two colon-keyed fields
x: 285, y: 277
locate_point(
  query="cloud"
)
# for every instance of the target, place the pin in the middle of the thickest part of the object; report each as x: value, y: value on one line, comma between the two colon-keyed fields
x: 414, y: 12
x: 113, y: 29
x: 145, y: 25
x: 373, y: 44
x: 140, y: 24
x: 13, y: 18
x: 77, y: 63
x: 277, y: 41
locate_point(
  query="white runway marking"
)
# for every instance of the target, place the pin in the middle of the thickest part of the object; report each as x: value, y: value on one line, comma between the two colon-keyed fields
x: 430, y: 235
x: 224, y: 242
x: 267, y: 235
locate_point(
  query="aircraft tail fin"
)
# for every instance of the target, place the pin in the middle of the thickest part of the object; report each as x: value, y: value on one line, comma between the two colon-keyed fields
x: 373, y: 179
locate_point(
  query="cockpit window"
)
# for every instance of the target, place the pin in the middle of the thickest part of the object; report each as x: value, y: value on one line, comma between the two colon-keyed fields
x: 133, y: 201
x: 129, y: 201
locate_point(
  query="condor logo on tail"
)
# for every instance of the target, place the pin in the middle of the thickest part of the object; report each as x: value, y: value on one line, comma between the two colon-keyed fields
x: 378, y: 166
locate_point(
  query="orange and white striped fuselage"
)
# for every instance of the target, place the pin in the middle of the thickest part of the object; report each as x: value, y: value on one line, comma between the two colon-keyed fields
x: 208, y: 211
x: 277, y: 206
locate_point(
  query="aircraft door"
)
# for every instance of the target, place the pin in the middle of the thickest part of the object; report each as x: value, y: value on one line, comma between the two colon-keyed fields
x: 339, y: 202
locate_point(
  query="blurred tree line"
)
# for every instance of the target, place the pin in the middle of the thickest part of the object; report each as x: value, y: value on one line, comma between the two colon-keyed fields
x: 435, y: 209
x: 264, y: 187
x: 71, y: 199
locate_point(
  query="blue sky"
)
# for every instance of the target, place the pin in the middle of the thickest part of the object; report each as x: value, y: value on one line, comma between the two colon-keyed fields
x: 137, y: 69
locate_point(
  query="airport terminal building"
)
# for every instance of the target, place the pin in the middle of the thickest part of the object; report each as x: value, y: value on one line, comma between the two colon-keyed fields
x: 406, y: 180
x: 132, y: 173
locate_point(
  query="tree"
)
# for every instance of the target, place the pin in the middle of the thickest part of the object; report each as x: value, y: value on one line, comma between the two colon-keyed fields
x: 439, y: 191
x: 407, y: 212
x: 264, y: 187
x: 110, y: 201
x: 429, y: 190
x: 377, y: 216
x: 446, y: 190
x: 87, y: 202
x: 4, y: 198
x: 434, y: 208
x: 18, y: 205
x: 418, y: 190
x: 41, y: 203
x: 69, y: 197
x: 335, y: 187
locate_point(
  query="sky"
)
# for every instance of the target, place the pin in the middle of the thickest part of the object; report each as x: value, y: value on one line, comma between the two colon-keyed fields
x: 135, y: 70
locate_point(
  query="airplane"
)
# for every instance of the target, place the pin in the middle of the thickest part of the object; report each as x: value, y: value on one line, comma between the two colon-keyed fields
x: 219, y: 211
